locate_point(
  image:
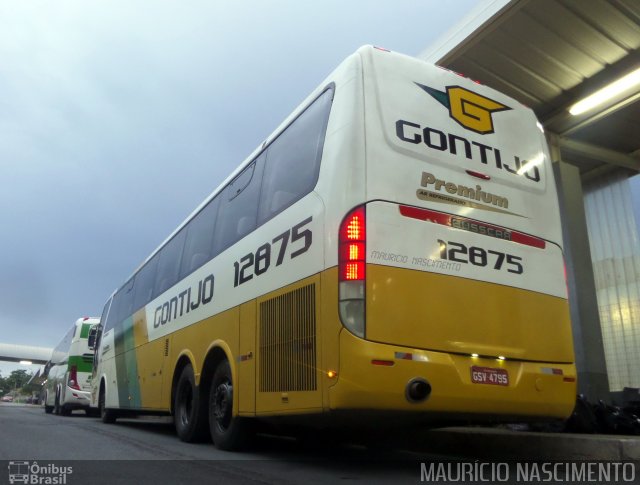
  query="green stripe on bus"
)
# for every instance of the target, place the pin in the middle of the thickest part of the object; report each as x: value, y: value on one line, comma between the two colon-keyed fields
x: 84, y: 331
x: 126, y: 365
x: 81, y: 364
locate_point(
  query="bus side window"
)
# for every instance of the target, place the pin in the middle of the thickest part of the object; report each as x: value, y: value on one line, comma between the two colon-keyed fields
x: 145, y: 279
x: 96, y: 346
x: 198, y: 247
x: 169, y: 264
x: 125, y: 308
x: 60, y: 352
x: 103, y: 320
x: 293, y: 159
x: 113, y: 310
x: 238, y: 207
x: 122, y: 301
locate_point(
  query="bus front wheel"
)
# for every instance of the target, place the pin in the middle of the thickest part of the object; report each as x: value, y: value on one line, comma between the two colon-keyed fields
x: 228, y: 432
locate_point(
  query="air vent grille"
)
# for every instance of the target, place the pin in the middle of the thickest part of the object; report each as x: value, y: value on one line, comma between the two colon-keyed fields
x: 288, y: 342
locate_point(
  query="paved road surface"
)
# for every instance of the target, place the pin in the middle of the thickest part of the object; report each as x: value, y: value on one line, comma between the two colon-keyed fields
x: 148, y: 451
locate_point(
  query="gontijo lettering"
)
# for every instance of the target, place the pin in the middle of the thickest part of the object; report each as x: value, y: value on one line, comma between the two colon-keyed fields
x: 187, y: 300
x: 440, y: 141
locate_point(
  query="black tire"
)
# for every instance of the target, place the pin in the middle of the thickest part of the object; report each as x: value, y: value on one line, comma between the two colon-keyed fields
x: 47, y: 409
x: 108, y: 416
x: 65, y: 411
x: 228, y: 432
x: 189, y: 408
x: 56, y: 405
x: 92, y: 412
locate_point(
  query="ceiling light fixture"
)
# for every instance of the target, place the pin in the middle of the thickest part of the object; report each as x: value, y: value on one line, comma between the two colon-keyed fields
x: 605, y: 94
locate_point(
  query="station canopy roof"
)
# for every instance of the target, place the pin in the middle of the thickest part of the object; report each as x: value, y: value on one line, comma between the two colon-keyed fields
x: 550, y: 54
x: 24, y: 353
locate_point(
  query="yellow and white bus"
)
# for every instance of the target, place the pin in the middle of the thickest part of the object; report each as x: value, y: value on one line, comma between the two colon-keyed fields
x: 393, y: 249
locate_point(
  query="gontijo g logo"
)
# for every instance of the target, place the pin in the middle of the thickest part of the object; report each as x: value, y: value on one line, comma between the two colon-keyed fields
x: 468, y: 109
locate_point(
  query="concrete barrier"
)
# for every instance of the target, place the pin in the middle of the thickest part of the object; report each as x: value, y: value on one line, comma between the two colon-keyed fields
x: 504, y: 444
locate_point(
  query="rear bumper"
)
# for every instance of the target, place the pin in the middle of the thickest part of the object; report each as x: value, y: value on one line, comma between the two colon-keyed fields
x: 75, y: 399
x: 534, y: 392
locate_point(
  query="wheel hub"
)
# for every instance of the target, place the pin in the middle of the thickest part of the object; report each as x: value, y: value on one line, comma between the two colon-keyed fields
x: 222, y: 401
x: 186, y: 403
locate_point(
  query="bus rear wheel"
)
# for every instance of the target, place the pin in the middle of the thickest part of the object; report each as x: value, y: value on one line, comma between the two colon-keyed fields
x: 189, y: 413
x: 228, y: 432
x: 56, y: 404
x: 92, y: 412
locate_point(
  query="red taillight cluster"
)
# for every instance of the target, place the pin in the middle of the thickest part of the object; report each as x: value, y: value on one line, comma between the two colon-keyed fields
x: 352, y: 246
x: 73, y: 378
x: 352, y: 255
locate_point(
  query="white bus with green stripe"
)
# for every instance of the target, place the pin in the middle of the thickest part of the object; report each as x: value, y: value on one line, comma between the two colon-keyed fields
x: 68, y: 384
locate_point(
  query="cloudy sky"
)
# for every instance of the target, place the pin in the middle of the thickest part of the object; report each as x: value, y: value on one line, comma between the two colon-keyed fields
x: 117, y: 118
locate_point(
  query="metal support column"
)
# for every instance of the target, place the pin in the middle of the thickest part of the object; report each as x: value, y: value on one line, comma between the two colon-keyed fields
x: 587, y: 334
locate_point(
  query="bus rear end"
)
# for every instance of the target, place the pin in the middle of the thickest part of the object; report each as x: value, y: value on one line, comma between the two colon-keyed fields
x: 451, y: 274
x: 77, y: 393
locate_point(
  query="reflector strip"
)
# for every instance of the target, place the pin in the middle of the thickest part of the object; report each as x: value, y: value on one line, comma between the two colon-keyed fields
x: 528, y: 240
x: 386, y: 363
x: 551, y: 370
x: 410, y: 356
x: 479, y: 175
x: 425, y: 215
x: 466, y: 224
x: 403, y: 356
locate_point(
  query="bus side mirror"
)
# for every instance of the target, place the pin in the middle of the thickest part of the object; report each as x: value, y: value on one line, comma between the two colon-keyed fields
x: 92, y: 337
